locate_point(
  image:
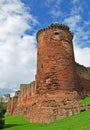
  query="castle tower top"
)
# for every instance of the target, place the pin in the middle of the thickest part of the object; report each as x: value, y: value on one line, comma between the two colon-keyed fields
x: 55, y: 26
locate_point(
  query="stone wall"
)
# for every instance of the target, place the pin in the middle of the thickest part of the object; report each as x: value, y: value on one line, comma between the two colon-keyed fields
x: 52, y: 106
x: 12, y: 104
x: 22, y: 97
x: 83, y: 78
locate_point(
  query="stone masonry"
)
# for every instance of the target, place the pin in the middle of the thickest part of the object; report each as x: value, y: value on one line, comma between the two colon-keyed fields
x: 60, y: 81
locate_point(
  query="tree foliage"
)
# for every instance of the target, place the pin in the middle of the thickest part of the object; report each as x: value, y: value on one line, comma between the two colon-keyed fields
x: 2, y: 112
x: 3, y: 107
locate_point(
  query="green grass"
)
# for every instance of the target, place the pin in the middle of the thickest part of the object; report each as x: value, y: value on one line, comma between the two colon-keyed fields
x: 77, y: 122
x: 85, y: 101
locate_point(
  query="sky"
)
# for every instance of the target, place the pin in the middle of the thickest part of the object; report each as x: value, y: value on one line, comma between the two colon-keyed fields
x: 19, y: 22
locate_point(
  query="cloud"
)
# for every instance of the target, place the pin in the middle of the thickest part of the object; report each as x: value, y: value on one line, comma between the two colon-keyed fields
x: 72, y: 21
x: 54, y: 8
x: 79, y: 25
x: 82, y: 55
x: 81, y: 29
x: 17, y: 49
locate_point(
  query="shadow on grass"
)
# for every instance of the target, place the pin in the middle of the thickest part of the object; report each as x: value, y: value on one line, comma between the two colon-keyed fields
x: 10, y: 125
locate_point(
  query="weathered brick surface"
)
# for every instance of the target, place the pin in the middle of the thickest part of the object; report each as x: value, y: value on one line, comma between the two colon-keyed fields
x: 59, y: 84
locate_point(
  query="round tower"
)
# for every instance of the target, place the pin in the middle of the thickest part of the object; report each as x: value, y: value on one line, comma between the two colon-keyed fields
x: 55, y: 59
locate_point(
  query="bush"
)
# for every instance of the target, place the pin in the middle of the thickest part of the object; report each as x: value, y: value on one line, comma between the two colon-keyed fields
x: 2, y: 112
x: 83, y: 97
x: 2, y: 122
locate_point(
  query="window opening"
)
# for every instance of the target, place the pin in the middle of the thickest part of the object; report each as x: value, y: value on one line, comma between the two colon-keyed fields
x: 56, y: 34
x: 41, y: 65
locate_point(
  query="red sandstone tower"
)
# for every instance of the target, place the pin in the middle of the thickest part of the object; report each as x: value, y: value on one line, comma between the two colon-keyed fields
x: 55, y: 59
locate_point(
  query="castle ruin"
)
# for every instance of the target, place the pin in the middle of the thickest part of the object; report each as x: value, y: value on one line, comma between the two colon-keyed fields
x: 60, y: 81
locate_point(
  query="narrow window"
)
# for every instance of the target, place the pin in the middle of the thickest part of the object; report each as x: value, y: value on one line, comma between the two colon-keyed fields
x: 41, y: 65
x: 56, y: 34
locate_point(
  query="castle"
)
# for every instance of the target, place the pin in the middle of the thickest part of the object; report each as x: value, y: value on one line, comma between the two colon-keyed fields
x: 59, y: 83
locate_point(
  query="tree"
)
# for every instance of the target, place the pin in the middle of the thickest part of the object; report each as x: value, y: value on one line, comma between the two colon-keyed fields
x: 3, y: 106
x: 2, y: 112
x: 3, y: 102
x: 6, y: 96
x: 1, y: 99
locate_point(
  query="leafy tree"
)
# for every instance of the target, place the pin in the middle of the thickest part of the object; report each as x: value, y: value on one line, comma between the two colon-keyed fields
x: 3, y: 106
x: 1, y: 99
x: 2, y: 112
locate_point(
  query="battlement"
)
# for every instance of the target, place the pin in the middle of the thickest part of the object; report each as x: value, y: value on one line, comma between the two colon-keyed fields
x: 54, y: 26
x: 17, y: 93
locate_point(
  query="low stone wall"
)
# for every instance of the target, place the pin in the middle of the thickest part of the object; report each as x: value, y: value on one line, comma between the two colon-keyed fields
x: 26, y: 92
x: 49, y: 114
x: 48, y: 107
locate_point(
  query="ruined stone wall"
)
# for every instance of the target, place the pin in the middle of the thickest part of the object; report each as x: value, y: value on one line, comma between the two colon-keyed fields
x: 12, y: 104
x: 9, y: 105
x: 18, y: 103
x: 53, y: 106
x: 83, y: 78
x: 23, y: 94
x: 60, y: 82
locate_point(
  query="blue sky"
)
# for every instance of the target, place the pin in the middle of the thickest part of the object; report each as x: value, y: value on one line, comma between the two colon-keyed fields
x: 19, y: 22
x: 74, y: 13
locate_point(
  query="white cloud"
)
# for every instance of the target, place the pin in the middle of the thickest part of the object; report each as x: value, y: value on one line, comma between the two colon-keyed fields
x: 17, y: 49
x: 81, y: 31
x: 72, y: 21
x: 82, y: 55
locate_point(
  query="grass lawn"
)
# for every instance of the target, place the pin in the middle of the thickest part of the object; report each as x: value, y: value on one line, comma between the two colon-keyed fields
x: 76, y: 122
x: 85, y: 101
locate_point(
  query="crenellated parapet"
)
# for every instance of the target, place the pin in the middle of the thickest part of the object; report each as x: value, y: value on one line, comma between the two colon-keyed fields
x: 17, y: 93
x: 23, y: 90
x: 55, y: 27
